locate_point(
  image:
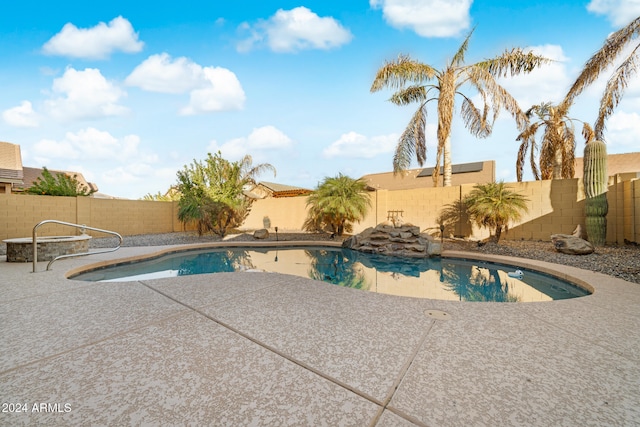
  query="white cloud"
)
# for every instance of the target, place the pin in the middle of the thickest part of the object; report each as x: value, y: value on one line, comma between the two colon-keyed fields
x: 623, y: 129
x: 210, y: 88
x: 159, y: 73
x: 84, y: 95
x: 222, y: 92
x: 94, y: 43
x: 428, y: 18
x: 354, y: 145
x: 618, y: 12
x: 263, y: 140
x: 268, y: 138
x: 92, y: 144
x: 547, y: 83
x: 21, y: 116
x: 47, y: 149
x: 295, y: 30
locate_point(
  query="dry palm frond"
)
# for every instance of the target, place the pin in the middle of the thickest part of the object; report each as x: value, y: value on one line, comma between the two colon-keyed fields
x: 409, y: 95
x: 396, y: 74
x: 498, y: 96
x: 547, y: 158
x: 568, y: 153
x: 601, y: 60
x: 512, y: 63
x: 458, y: 58
x: 474, y: 119
x: 615, y: 87
x: 412, y: 142
x: 528, y: 144
x: 587, y: 132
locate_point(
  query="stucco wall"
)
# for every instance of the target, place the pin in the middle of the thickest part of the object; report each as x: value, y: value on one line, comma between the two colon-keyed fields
x: 555, y: 206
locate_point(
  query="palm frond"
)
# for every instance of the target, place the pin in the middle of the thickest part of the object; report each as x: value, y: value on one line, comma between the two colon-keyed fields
x: 498, y: 96
x: 396, y: 74
x: 412, y: 142
x: 587, y: 132
x: 512, y: 63
x: 409, y: 95
x: 601, y: 60
x: 458, y: 58
x: 616, y: 85
x: 474, y: 119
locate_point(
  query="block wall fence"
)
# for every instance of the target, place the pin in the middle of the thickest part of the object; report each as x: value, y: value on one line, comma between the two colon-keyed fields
x: 555, y: 206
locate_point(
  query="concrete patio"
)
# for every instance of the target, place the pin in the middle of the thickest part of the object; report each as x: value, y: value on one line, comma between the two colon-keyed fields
x: 244, y: 349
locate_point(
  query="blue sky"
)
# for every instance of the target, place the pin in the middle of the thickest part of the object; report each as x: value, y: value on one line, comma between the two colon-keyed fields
x: 128, y: 94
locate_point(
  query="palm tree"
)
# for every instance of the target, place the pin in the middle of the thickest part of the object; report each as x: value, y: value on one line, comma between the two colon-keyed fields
x: 601, y: 60
x: 494, y: 206
x: 336, y: 203
x: 557, y: 146
x: 411, y: 79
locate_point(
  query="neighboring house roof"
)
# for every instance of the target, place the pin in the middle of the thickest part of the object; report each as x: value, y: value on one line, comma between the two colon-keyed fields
x: 271, y: 189
x: 10, y: 163
x: 616, y: 164
x: 464, y: 173
x: 32, y: 174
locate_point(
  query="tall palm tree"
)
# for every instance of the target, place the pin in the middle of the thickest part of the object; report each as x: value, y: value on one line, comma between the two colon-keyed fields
x: 557, y: 146
x: 494, y: 206
x: 336, y: 203
x: 612, y: 48
x: 412, y: 78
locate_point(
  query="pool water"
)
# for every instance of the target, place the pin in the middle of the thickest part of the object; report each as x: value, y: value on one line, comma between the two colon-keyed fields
x: 435, y: 278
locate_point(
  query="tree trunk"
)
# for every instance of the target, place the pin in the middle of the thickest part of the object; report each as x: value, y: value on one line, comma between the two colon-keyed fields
x: 557, y: 164
x: 498, y: 233
x: 446, y: 173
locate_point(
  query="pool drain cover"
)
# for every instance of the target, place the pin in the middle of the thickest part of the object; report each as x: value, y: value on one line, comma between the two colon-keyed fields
x: 437, y: 314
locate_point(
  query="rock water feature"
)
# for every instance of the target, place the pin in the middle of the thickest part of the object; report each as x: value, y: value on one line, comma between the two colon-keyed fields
x: 387, y: 238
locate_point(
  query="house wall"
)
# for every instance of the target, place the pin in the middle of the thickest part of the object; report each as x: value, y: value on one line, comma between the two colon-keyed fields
x: 556, y: 206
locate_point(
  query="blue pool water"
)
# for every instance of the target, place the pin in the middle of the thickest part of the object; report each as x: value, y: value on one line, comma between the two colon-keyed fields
x: 437, y: 278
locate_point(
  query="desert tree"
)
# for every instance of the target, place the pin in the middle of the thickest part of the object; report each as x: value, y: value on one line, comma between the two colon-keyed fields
x: 212, y: 192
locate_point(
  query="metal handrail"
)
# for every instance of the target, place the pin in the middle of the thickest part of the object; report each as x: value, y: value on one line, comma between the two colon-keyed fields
x: 82, y: 227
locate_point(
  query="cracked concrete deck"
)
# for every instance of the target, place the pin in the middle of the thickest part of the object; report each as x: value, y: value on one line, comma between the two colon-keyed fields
x: 257, y: 349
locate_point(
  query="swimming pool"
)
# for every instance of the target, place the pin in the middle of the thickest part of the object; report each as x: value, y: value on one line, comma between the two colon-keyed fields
x: 435, y: 278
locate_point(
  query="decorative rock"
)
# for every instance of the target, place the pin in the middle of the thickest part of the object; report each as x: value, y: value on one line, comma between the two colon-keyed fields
x: 570, y: 244
x: 261, y: 234
x: 434, y: 248
x: 384, y: 239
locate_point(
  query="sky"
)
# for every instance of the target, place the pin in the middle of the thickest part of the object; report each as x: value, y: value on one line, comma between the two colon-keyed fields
x: 128, y: 93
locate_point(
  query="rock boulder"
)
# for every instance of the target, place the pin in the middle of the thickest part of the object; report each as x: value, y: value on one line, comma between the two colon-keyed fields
x: 570, y: 244
x: 386, y: 239
x: 261, y: 234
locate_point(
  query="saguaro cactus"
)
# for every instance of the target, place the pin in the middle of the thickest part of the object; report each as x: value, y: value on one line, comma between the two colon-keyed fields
x: 595, y: 189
